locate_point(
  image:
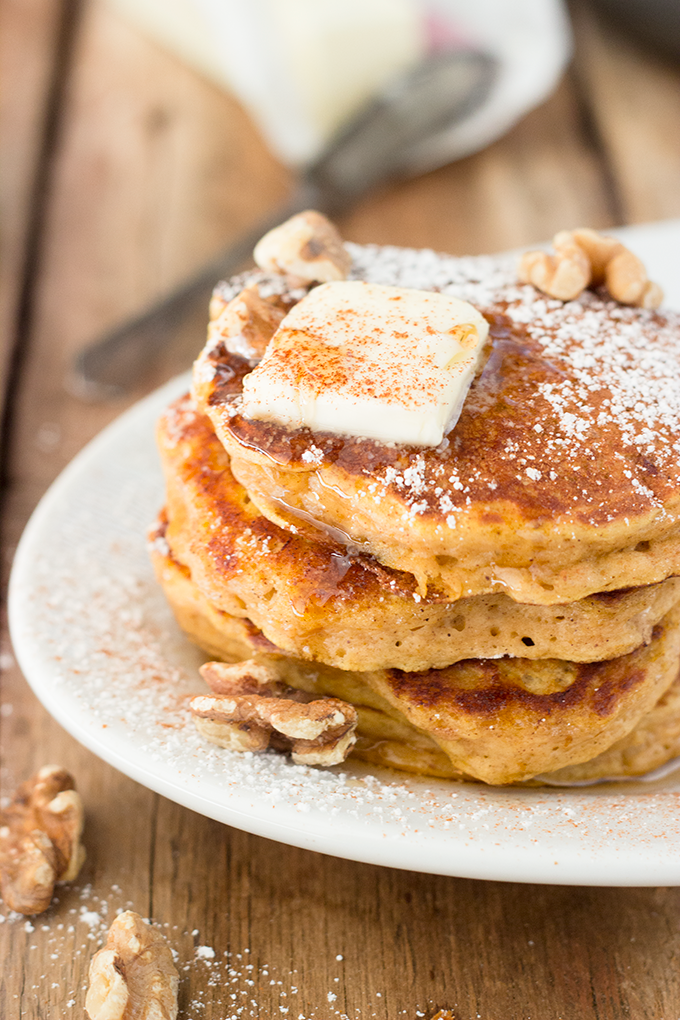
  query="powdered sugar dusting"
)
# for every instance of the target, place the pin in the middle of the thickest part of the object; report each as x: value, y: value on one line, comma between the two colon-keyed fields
x: 237, y: 982
x: 93, y: 633
x: 598, y: 385
x: 617, y: 372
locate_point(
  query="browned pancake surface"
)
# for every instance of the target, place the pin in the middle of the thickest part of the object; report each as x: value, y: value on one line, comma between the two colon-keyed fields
x: 501, y: 722
x: 566, y: 452
x: 318, y: 602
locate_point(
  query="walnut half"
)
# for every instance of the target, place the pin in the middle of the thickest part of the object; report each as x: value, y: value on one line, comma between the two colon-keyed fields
x: 133, y: 977
x: 254, y: 711
x: 585, y: 258
x: 40, y: 845
x: 306, y: 247
x: 246, y: 324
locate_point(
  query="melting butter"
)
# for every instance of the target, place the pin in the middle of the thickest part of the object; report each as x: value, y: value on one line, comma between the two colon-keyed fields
x: 361, y: 359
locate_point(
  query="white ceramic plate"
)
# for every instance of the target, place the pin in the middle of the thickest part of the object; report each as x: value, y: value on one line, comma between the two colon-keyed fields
x: 101, y: 650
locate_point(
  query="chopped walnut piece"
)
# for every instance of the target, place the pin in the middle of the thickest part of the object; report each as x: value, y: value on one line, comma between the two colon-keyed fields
x: 247, y: 677
x: 133, y: 977
x: 586, y: 258
x: 444, y: 1014
x: 563, y: 276
x: 40, y: 845
x: 307, y: 247
x: 246, y: 324
x: 217, y: 304
x: 249, y: 714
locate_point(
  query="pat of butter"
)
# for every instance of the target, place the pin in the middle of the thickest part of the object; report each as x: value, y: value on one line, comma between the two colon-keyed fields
x: 360, y: 359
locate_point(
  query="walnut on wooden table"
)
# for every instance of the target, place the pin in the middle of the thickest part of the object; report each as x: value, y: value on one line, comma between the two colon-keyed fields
x: 253, y: 710
x: 133, y: 976
x: 40, y: 844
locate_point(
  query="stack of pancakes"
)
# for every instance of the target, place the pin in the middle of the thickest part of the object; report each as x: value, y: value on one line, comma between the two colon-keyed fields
x: 502, y: 607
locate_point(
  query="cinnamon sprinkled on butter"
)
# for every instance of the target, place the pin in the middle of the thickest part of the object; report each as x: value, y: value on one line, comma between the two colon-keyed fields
x: 360, y: 359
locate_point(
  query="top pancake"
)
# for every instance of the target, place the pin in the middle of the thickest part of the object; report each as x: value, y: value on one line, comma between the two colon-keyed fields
x: 561, y: 478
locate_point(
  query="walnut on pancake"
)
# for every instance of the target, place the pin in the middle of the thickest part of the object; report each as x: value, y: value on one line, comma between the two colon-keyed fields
x: 585, y: 258
x: 252, y: 710
x: 307, y: 248
x: 246, y: 324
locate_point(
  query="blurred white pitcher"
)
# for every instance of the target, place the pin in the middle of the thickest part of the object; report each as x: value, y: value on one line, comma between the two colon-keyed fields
x: 303, y: 67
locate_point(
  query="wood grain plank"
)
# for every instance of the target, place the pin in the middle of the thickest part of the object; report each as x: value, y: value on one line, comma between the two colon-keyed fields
x: 29, y: 44
x: 151, y: 180
x: 634, y: 96
x: 158, y: 170
x: 159, y: 165
x: 408, y: 942
x: 31, y: 33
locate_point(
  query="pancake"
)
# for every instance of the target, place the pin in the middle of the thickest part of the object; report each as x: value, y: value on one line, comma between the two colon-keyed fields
x: 652, y: 743
x: 316, y: 601
x: 501, y: 721
x: 560, y: 479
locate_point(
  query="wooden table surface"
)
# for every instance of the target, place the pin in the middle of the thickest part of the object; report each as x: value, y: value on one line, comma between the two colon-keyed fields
x: 122, y: 170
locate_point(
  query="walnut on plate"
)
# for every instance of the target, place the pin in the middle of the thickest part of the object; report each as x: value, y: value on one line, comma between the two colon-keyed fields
x: 252, y: 710
x: 40, y: 844
x: 585, y: 258
x: 248, y: 677
x: 133, y: 976
x: 306, y: 247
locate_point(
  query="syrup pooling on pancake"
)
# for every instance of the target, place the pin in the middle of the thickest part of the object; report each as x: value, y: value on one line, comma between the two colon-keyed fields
x: 316, y: 601
x: 563, y: 462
